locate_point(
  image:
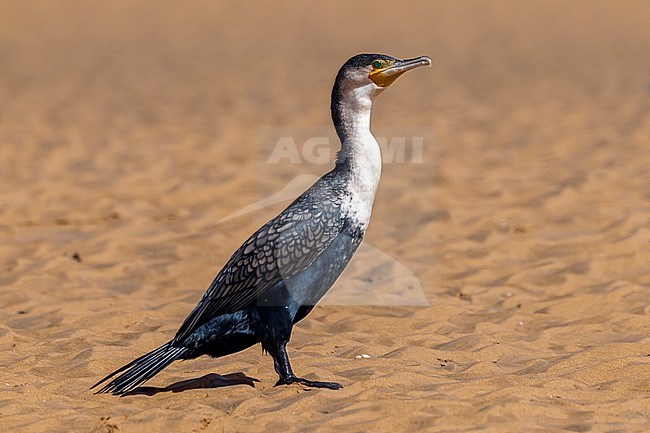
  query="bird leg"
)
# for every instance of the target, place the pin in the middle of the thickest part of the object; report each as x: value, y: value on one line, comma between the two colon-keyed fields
x: 283, y: 368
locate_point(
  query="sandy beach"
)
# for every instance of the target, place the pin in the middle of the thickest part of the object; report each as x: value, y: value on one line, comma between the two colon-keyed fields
x: 505, y: 281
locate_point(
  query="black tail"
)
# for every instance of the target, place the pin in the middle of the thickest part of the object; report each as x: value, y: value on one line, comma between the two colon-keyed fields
x: 140, y: 370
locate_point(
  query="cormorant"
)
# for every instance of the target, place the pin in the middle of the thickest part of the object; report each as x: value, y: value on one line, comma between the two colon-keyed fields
x: 277, y: 276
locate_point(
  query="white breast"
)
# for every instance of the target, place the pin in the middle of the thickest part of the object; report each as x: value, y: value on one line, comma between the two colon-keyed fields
x: 364, y: 180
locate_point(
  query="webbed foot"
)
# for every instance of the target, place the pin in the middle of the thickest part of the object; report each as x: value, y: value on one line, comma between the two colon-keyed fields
x: 308, y: 383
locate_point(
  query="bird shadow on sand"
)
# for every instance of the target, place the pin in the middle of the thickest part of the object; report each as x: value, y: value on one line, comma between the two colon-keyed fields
x: 211, y: 380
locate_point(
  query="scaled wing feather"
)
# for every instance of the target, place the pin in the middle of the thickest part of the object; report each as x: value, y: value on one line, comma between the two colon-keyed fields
x: 280, y: 249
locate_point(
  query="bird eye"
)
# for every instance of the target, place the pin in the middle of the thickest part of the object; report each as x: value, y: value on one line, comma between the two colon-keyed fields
x: 376, y: 64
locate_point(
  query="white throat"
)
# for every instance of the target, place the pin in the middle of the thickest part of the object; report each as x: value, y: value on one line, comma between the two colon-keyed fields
x: 360, y: 151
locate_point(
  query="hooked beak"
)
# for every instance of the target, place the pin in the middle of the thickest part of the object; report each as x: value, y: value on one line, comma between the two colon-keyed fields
x: 385, y: 77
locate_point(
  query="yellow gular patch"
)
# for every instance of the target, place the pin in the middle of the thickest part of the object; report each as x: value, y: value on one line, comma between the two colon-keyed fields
x: 383, y: 80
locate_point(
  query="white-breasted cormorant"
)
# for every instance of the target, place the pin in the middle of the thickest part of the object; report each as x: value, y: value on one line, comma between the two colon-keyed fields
x: 277, y: 276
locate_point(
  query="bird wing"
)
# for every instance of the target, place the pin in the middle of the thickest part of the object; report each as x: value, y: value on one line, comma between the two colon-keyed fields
x: 280, y: 249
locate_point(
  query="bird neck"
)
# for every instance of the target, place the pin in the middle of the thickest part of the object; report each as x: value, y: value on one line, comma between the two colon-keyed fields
x: 351, y: 112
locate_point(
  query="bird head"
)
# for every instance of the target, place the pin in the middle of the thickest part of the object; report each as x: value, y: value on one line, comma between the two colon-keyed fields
x: 358, y: 82
x: 375, y: 72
